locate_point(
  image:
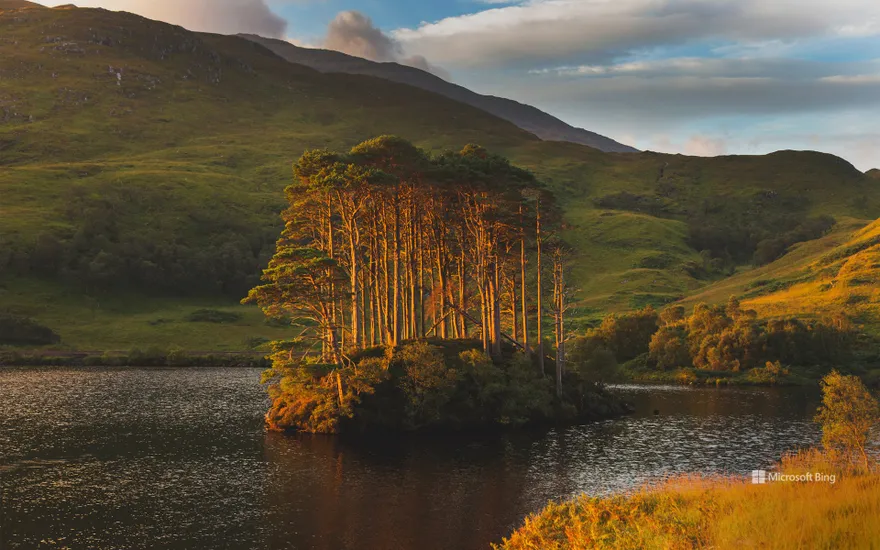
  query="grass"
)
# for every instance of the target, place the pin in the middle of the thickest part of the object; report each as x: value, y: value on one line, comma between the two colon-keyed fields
x: 122, y: 321
x: 834, y: 274
x: 721, y: 513
x: 198, y: 133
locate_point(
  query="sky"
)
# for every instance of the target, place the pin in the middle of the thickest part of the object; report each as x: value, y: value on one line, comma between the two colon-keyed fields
x: 699, y: 77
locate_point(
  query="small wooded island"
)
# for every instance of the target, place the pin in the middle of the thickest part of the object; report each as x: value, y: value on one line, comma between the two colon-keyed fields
x: 388, y: 246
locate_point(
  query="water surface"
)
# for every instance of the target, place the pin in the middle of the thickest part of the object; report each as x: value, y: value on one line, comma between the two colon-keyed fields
x: 177, y: 458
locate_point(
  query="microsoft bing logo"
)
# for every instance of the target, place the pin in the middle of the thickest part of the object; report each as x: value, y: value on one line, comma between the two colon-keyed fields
x: 759, y: 476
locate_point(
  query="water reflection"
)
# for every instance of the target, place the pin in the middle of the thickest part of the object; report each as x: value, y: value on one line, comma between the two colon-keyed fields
x: 177, y: 458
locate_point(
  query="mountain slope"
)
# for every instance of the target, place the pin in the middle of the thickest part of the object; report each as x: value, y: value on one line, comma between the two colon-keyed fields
x: 526, y: 117
x: 838, y: 272
x: 142, y: 158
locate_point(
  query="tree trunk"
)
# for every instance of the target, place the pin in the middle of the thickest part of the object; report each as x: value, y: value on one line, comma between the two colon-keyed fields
x: 496, y: 309
x: 441, y: 281
x: 421, y: 284
x: 540, y: 305
x: 355, y: 291
x: 522, y: 267
x: 462, y: 296
x: 395, y: 330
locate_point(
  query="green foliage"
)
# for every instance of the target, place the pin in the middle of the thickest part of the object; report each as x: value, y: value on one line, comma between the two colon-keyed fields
x: 592, y: 360
x: 668, y: 347
x: 627, y: 335
x: 733, y: 339
x: 848, y: 415
x: 21, y: 331
x: 770, y: 374
x: 443, y: 384
x: 427, y: 383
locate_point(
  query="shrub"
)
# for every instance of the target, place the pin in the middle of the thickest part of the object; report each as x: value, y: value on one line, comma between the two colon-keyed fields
x: 427, y: 382
x: 669, y: 349
x: 771, y: 373
x: 592, y: 360
x: 848, y: 415
x: 22, y: 331
x: 627, y: 335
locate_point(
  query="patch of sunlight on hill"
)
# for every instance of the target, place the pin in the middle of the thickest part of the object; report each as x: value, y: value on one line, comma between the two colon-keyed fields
x: 837, y: 273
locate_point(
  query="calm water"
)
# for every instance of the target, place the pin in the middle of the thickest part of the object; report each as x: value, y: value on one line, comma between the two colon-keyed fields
x: 178, y: 458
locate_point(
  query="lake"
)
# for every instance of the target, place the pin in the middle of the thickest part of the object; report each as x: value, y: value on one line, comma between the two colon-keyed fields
x: 177, y: 458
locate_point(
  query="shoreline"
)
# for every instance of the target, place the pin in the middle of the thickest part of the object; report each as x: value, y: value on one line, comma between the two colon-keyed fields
x: 258, y: 359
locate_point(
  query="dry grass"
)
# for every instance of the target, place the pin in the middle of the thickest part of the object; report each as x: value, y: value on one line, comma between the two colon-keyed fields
x: 719, y: 513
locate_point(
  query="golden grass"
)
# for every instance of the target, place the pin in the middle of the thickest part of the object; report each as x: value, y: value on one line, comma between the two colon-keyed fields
x: 694, y: 512
x: 834, y: 274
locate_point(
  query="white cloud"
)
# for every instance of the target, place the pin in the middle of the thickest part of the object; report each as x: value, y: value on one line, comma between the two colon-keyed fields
x: 354, y: 33
x: 538, y: 31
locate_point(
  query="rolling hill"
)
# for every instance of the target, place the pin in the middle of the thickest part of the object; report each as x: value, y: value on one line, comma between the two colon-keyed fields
x: 142, y: 168
x: 526, y: 117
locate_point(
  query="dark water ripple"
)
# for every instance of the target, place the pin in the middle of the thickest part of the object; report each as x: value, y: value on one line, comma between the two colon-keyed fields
x: 178, y: 458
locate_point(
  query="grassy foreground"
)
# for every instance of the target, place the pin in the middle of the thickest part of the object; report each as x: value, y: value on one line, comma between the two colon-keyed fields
x: 718, y: 513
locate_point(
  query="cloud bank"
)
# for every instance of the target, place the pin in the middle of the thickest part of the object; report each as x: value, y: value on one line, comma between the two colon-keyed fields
x: 218, y: 16
x: 539, y: 31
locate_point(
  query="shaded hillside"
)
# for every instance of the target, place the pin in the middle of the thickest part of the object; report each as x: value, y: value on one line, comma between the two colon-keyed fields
x: 873, y: 173
x: 543, y: 125
x: 142, y: 161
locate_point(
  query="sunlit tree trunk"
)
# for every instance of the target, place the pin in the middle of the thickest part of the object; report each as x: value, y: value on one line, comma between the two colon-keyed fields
x: 522, y: 267
x: 539, y: 295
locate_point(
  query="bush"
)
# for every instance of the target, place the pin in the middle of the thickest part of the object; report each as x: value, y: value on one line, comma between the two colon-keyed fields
x: 592, y: 360
x: 848, y: 415
x: 668, y: 348
x: 22, y: 331
x: 772, y: 373
x: 627, y: 335
x: 428, y: 383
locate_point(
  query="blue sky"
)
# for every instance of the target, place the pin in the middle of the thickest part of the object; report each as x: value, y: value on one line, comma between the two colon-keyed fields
x: 699, y: 77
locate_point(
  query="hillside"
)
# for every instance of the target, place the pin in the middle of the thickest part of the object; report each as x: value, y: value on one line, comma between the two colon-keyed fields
x: 529, y: 118
x: 17, y: 4
x: 143, y: 167
x: 838, y: 272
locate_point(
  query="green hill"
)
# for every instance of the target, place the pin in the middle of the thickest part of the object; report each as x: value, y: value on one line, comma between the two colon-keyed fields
x: 838, y: 272
x: 143, y: 167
